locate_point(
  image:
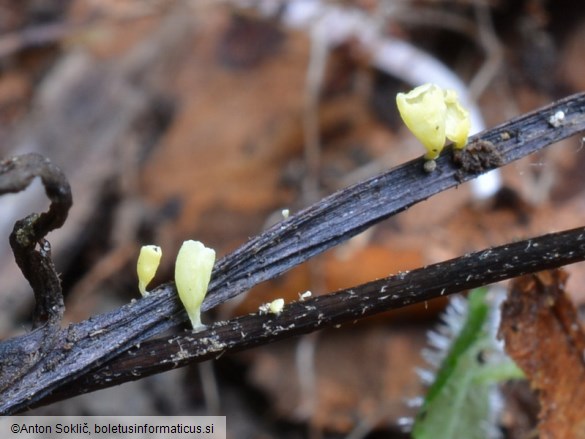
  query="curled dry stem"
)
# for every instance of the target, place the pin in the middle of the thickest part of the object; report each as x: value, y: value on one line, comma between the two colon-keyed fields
x: 33, y: 256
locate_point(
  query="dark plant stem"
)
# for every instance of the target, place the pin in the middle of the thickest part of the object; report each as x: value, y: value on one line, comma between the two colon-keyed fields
x: 442, y: 279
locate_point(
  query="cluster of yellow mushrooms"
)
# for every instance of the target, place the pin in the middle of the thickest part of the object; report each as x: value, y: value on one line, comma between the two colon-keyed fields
x: 193, y: 269
x: 434, y: 115
x: 192, y: 274
x: 431, y: 113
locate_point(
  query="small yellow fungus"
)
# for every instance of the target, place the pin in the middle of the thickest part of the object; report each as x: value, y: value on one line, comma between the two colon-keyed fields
x: 434, y: 115
x: 148, y: 262
x: 192, y: 274
x: 285, y: 213
x: 276, y: 306
x: 429, y: 166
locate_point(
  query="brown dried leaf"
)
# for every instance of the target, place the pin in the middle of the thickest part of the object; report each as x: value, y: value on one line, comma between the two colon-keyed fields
x: 544, y: 337
x: 355, y: 374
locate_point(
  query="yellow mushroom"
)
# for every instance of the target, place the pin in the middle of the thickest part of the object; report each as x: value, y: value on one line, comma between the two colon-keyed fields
x: 434, y: 115
x: 192, y: 274
x: 148, y: 262
x: 276, y: 306
x: 457, y: 121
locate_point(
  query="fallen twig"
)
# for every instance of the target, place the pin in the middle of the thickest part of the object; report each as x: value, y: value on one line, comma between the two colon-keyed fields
x: 470, y: 271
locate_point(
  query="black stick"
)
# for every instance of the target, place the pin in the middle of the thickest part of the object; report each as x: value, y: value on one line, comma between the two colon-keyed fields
x: 445, y: 278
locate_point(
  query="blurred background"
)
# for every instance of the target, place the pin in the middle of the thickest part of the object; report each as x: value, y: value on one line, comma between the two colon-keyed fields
x: 203, y: 120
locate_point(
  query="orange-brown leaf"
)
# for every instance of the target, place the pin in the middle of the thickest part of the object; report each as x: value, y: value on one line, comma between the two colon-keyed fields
x: 544, y: 337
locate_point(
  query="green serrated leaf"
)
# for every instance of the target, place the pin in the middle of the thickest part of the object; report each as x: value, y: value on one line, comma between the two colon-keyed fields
x: 459, y: 402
